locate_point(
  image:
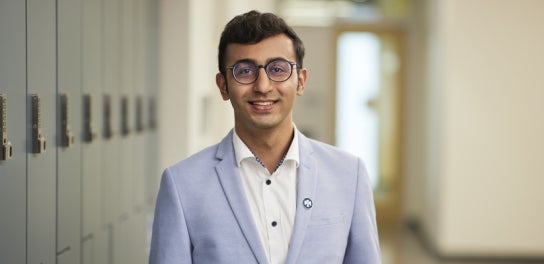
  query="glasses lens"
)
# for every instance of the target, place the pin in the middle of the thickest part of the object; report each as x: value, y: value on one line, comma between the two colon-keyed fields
x: 245, y: 72
x: 279, y: 70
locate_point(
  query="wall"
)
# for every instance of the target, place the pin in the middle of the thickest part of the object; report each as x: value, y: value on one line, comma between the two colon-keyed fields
x: 192, y: 111
x: 472, y: 122
x: 484, y: 127
x: 314, y: 110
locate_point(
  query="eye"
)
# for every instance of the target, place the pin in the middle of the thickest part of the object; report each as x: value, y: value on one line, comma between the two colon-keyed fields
x: 278, y: 67
x: 244, y: 69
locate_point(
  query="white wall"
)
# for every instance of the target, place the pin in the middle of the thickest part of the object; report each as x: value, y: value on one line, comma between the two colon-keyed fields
x: 314, y: 110
x: 192, y: 114
x: 485, y: 127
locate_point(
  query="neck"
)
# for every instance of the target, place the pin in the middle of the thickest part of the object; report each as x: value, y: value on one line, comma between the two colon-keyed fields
x: 270, y: 146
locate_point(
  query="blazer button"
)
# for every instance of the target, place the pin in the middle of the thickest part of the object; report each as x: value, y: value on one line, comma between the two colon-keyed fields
x: 268, y: 182
x: 274, y: 223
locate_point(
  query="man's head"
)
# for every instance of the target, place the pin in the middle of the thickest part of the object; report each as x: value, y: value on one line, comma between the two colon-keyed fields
x: 252, y: 27
x: 262, y: 99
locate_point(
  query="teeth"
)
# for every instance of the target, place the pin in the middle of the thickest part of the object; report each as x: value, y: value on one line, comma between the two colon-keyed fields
x: 263, y: 103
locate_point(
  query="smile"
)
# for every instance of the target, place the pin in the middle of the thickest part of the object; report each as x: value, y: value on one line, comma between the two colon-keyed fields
x: 266, y: 103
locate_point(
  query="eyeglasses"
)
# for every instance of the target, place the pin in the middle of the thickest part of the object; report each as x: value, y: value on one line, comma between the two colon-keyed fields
x: 246, y: 72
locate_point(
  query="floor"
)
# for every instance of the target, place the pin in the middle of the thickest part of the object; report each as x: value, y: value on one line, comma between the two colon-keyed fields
x: 403, y: 247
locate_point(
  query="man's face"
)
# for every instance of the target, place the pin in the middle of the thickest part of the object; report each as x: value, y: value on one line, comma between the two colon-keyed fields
x: 263, y: 104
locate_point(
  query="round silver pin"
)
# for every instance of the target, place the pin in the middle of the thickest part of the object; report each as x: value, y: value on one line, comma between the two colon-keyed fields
x: 307, y: 202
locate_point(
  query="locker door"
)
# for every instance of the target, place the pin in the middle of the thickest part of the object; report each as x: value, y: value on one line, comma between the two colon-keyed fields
x: 124, y: 238
x: 41, y: 114
x: 141, y: 132
x: 135, y: 78
x: 110, y: 171
x: 13, y: 171
x: 41, y: 111
x: 94, y: 236
x: 68, y: 127
x: 152, y: 172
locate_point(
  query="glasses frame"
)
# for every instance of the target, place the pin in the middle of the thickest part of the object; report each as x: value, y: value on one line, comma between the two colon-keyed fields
x: 259, y: 66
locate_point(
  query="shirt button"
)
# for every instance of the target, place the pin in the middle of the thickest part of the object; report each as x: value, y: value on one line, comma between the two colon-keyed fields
x: 268, y: 182
x: 274, y: 223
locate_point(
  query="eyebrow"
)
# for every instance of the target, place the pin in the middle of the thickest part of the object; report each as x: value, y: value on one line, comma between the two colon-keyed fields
x: 254, y: 62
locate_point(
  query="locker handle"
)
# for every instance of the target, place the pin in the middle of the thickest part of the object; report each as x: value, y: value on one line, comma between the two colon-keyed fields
x: 6, y: 150
x: 152, y: 113
x: 125, y: 130
x: 139, y: 115
x: 107, y: 130
x: 38, y: 140
x: 67, y: 138
x: 88, y: 131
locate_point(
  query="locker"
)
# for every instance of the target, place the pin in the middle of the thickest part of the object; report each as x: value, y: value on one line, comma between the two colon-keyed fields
x: 94, y: 234
x: 87, y: 249
x: 152, y: 172
x: 68, y: 218
x: 41, y: 113
x: 138, y: 137
x: 13, y: 171
x: 112, y: 148
x: 123, y: 241
x: 139, y: 89
x: 77, y: 86
x: 66, y: 257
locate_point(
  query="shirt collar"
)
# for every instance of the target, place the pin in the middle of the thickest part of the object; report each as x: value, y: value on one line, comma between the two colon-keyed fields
x: 242, y: 152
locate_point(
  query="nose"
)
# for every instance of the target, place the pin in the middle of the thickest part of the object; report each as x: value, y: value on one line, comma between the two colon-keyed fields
x: 263, y: 83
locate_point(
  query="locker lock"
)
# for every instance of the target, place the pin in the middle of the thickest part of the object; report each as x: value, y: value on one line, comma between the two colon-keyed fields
x: 6, y: 150
x: 67, y: 138
x: 38, y: 140
x: 88, y: 131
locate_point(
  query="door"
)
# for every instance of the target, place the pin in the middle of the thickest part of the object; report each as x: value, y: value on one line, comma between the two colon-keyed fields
x: 368, y: 102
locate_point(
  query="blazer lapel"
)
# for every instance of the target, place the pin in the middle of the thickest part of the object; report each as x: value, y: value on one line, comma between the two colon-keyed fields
x: 306, y: 184
x: 234, y: 191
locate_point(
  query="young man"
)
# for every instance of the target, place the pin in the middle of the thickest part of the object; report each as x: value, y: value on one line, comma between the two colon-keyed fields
x: 265, y: 193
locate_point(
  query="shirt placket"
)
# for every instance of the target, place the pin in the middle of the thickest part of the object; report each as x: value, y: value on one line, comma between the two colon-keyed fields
x: 273, y: 220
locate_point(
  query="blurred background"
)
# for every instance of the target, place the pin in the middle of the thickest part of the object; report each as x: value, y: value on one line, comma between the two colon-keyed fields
x: 441, y: 98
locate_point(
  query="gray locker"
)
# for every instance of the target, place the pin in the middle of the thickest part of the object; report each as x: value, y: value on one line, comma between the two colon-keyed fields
x: 94, y: 234
x: 68, y: 127
x: 152, y: 172
x: 77, y: 82
x: 13, y: 170
x: 41, y: 131
x: 124, y: 234
x: 111, y: 171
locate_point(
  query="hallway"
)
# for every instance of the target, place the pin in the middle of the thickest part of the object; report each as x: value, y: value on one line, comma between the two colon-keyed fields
x: 403, y: 247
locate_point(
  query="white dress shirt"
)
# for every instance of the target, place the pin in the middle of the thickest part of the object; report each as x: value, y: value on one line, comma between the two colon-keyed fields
x: 271, y: 197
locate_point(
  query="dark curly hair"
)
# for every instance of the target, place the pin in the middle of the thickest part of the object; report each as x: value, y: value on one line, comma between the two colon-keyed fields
x: 252, y: 27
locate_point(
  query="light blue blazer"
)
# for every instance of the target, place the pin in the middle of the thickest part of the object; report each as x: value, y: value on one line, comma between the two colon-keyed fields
x: 202, y: 215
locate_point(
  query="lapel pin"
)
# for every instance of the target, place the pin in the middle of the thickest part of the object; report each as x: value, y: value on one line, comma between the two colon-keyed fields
x: 307, y: 202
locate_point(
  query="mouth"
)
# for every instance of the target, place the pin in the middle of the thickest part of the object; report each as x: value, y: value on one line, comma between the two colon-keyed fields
x: 262, y: 105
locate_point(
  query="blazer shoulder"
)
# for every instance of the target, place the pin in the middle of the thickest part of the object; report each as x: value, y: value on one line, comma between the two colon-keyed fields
x: 204, y: 160
x: 326, y: 151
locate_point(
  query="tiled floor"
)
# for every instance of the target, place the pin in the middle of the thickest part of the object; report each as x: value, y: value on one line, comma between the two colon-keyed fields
x: 402, y: 247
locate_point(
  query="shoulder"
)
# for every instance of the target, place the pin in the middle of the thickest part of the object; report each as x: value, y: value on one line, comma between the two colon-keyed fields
x: 203, y: 155
x: 325, y: 152
x: 205, y: 159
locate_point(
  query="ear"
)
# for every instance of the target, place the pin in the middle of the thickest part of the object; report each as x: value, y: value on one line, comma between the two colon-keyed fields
x: 222, y: 85
x: 301, y: 81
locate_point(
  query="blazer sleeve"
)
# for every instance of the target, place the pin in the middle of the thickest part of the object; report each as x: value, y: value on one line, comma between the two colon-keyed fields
x: 170, y: 241
x: 363, y: 244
